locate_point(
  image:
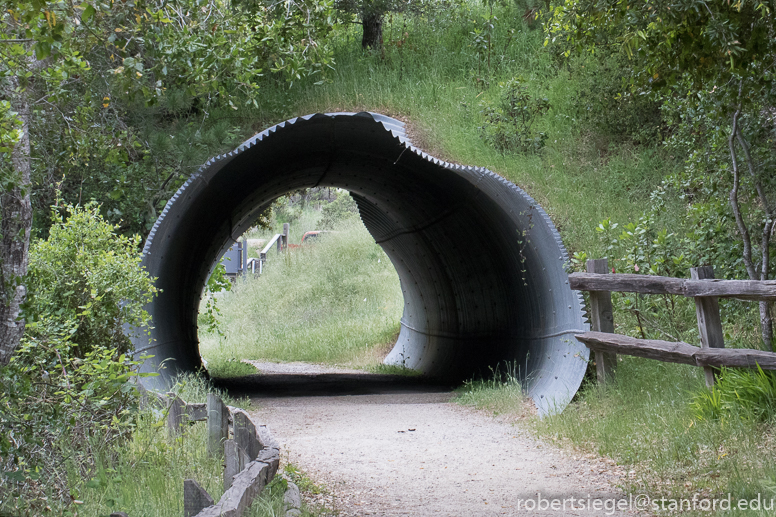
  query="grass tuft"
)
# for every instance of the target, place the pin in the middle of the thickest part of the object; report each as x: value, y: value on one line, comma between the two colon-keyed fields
x: 502, y: 392
x: 738, y: 393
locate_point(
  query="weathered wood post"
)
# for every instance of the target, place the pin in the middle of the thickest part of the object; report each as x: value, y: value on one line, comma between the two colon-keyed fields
x: 709, y: 323
x: 245, y: 434
x: 286, y: 230
x: 217, y: 424
x: 235, y: 460
x: 176, y: 414
x: 602, y: 316
x: 195, y: 498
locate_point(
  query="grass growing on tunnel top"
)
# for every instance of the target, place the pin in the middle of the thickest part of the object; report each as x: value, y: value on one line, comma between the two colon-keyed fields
x: 336, y: 301
x: 433, y: 80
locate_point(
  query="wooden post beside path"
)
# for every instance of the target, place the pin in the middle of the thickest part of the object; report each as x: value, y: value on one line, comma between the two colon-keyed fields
x: 176, y: 416
x: 217, y: 424
x: 602, y: 320
x: 709, y: 323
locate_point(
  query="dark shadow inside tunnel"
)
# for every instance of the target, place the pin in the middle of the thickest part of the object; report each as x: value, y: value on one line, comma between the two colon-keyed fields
x: 480, y: 263
x: 330, y: 385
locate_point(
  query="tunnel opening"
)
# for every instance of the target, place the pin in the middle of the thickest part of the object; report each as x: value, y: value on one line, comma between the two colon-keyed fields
x: 481, y: 266
x: 330, y: 297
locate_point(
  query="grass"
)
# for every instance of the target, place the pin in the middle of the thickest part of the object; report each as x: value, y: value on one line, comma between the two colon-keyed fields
x: 501, y: 392
x: 336, y: 301
x: 645, y: 421
x: 145, y: 476
x: 432, y: 82
x: 193, y: 388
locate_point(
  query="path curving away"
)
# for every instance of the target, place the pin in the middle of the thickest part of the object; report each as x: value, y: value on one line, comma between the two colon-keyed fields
x: 387, y: 445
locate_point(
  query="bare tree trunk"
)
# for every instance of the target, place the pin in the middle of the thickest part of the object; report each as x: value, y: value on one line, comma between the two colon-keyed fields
x: 16, y: 214
x: 766, y: 326
x: 766, y: 322
x: 372, y: 36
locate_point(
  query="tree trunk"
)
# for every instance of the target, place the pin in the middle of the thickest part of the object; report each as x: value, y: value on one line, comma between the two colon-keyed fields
x: 766, y: 325
x: 16, y: 214
x: 373, y: 30
x: 766, y: 322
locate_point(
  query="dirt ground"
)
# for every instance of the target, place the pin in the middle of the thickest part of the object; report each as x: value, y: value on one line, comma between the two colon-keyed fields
x: 389, y: 445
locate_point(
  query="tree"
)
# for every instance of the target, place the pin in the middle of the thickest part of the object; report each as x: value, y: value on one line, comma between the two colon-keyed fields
x: 81, y: 84
x: 371, y: 15
x: 714, y: 64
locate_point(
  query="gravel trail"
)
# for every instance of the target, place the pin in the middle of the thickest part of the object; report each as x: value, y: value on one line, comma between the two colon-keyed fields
x: 387, y: 445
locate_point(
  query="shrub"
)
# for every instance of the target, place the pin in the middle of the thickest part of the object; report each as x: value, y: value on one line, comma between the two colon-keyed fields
x: 89, y: 277
x: 66, y: 398
x: 509, y: 125
x: 606, y: 103
x: 338, y: 211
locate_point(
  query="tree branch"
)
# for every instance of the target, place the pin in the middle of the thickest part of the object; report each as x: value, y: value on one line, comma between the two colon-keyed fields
x: 742, y: 228
x: 766, y: 235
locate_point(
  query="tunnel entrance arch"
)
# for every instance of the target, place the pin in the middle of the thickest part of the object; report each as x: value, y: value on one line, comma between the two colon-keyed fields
x: 481, y: 264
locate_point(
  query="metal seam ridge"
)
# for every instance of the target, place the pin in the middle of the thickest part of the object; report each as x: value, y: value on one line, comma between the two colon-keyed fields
x: 403, y: 140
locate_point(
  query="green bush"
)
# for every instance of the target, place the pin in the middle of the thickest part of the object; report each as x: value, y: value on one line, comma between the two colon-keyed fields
x: 607, y: 105
x: 338, y: 211
x: 509, y: 125
x: 67, y: 398
x: 87, y: 276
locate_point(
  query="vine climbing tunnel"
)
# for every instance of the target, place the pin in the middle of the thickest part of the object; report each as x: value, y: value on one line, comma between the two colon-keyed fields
x: 480, y: 263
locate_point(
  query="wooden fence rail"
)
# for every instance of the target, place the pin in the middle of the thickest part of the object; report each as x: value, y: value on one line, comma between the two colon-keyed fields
x: 648, y: 284
x: 702, y: 286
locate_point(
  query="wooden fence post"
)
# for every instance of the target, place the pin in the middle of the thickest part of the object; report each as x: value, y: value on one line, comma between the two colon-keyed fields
x: 176, y: 414
x: 235, y: 460
x: 286, y: 229
x: 195, y: 498
x: 602, y: 320
x: 217, y: 424
x: 245, y: 434
x: 709, y: 323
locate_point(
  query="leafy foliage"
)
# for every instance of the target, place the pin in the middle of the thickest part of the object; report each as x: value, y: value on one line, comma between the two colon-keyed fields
x: 216, y: 283
x: 90, y: 280
x: 509, y: 125
x: 714, y: 66
x: 338, y: 211
x: 67, y: 398
x: 129, y: 98
x: 608, y: 106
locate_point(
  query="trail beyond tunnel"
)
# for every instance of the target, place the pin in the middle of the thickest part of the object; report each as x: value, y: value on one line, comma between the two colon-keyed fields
x: 481, y: 265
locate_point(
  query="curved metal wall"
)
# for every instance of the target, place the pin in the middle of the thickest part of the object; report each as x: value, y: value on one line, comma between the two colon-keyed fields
x: 481, y: 265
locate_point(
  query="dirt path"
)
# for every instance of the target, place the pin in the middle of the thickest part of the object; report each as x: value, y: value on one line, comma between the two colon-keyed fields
x: 392, y: 446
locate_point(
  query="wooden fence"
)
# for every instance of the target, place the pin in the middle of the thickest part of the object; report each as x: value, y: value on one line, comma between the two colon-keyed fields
x: 251, y: 456
x: 702, y: 286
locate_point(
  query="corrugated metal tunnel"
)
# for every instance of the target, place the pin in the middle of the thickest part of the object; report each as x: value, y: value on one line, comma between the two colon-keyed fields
x: 481, y: 265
